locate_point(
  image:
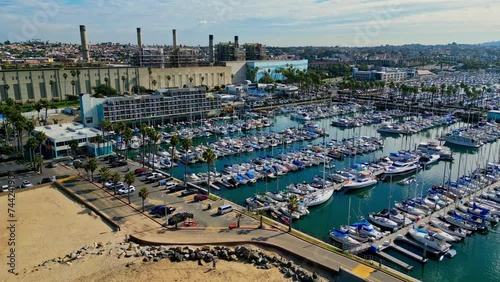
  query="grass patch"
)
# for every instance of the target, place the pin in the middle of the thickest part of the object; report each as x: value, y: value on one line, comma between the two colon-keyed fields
x: 213, y: 197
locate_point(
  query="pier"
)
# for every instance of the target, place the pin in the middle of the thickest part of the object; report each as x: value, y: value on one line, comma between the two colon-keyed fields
x: 395, y: 261
x: 408, y: 253
x: 195, y: 184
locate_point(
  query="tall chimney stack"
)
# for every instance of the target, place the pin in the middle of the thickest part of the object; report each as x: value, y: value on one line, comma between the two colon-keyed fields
x: 236, y: 44
x: 85, y: 47
x: 211, y: 49
x: 174, y: 35
x: 139, y: 37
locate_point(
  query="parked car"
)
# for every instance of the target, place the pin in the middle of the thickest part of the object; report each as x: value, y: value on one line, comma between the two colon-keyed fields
x: 140, y: 170
x: 190, y: 191
x: 45, y: 180
x: 179, y: 217
x: 109, y: 184
x: 125, y: 190
x: 160, y: 210
x: 52, y: 165
x: 119, y: 163
x: 26, y: 184
x: 176, y: 188
x: 200, y: 197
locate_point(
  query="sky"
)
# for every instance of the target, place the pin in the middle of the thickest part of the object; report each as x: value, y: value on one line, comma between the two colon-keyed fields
x: 271, y: 22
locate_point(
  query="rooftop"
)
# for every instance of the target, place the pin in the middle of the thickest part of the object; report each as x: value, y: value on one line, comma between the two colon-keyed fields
x: 67, y: 131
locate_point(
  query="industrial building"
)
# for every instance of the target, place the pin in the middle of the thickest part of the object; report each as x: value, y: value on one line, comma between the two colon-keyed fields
x: 59, y: 136
x: 164, y: 106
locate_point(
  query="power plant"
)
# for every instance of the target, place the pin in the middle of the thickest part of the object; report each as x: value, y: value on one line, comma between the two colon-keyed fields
x: 178, y: 55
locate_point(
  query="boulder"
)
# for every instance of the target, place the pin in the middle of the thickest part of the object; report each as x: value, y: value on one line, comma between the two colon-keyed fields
x: 233, y: 258
x: 145, y: 259
x: 99, y: 245
x: 72, y: 255
x: 205, y: 248
x: 224, y: 254
x: 155, y: 260
x: 129, y: 254
x: 162, y: 248
x: 177, y: 257
x: 268, y: 266
x: 255, y: 256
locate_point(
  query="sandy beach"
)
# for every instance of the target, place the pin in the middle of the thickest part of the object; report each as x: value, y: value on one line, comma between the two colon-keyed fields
x: 51, y: 225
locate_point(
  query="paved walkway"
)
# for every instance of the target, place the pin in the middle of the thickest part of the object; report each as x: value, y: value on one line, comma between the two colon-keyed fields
x: 141, y: 226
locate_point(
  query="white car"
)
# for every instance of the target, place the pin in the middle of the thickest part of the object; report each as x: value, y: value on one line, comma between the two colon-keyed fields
x: 110, y: 184
x: 26, y: 184
x: 125, y: 190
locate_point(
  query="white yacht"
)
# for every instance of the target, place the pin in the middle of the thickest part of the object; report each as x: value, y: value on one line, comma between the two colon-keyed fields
x: 431, y: 241
x: 301, y: 116
x: 382, y: 221
x: 389, y: 128
x: 461, y: 140
x: 401, y: 168
x: 361, y: 180
x: 318, y: 197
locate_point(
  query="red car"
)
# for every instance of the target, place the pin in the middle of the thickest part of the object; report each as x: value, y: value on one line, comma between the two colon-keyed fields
x: 200, y: 197
x: 140, y: 170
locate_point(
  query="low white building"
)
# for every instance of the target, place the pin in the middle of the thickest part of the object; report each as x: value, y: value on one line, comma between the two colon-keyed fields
x: 59, y: 135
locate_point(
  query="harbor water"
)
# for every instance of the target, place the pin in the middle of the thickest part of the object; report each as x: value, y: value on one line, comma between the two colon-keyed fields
x: 478, y: 256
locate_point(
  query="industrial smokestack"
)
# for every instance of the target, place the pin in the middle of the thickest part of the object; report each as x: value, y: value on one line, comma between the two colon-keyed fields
x: 139, y: 37
x: 85, y: 47
x: 174, y: 35
x: 236, y: 44
x: 211, y: 48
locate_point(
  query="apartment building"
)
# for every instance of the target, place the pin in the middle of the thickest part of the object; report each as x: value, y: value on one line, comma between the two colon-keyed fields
x: 165, y: 106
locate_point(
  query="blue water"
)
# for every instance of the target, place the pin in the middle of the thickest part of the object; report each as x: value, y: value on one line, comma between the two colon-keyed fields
x: 478, y: 257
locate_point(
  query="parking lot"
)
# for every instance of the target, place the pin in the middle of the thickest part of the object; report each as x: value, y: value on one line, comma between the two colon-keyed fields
x: 32, y: 176
x: 158, y: 195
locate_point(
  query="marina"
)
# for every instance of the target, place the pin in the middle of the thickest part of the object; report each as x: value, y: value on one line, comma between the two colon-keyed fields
x: 334, y: 210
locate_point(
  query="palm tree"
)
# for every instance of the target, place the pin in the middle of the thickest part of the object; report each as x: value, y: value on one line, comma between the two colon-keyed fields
x: 73, y: 145
x: 41, y: 137
x: 104, y: 174
x: 168, y: 79
x: 154, y: 82
x: 238, y: 218
x: 129, y: 180
x: 174, y: 141
x: 150, y: 72
x: 99, y: 139
x: 154, y: 136
x: 6, y: 87
x: 143, y: 129
x: 123, y: 82
x: 293, y: 206
x: 190, y: 81
x: 92, y: 165
x: 19, y: 124
x: 143, y: 194
x: 45, y: 104
x: 73, y: 83
x: 202, y: 79
x: 51, y: 82
x: 209, y: 157
x: 38, y: 162
x: 38, y: 107
x: 186, y: 144
x: 176, y: 218
x: 106, y: 80
x: 32, y: 143
x: 65, y: 76
x: 115, y: 177
x: 105, y: 125
x: 127, y: 136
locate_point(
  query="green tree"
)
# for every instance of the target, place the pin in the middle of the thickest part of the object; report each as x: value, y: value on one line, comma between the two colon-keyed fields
x: 123, y: 83
x: 150, y: 72
x: 106, y: 80
x: 129, y: 180
x: 104, y: 90
x: 46, y: 105
x: 239, y: 216
x: 65, y: 76
x: 186, y: 145
x: 209, y: 157
x: 73, y: 145
x: 127, y: 136
x: 143, y: 129
x: 154, y: 136
x: 104, y: 174
x: 99, y: 140
x: 92, y: 165
x: 251, y: 73
x: 105, y: 125
x: 293, y: 206
x: 143, y: 194
x: 176, y: 218
x: 174, y: 141
x: 32, y: 144
x: 38, y: 107
x: 115, y: 178
x: 6, y: 88
x: 154, y: 83
x: 168, y: 80
x: 73, y: 83
x: 41, y: 137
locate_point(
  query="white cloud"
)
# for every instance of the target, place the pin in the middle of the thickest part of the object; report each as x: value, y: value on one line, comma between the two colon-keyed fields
x: 291, y: 22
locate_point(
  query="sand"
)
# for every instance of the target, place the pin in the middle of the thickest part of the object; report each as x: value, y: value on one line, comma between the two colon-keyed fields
x: 51, y: 225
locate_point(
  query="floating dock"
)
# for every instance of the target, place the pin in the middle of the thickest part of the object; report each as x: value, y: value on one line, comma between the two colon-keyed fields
x: 417, y: 244
x: 395, y: 261
x: 408, y: 253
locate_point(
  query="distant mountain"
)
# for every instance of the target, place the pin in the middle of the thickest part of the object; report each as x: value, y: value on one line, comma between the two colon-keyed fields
x: 492, y: 43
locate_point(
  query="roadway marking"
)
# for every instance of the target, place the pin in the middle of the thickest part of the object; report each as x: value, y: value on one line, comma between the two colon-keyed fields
x: 362, y: 270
